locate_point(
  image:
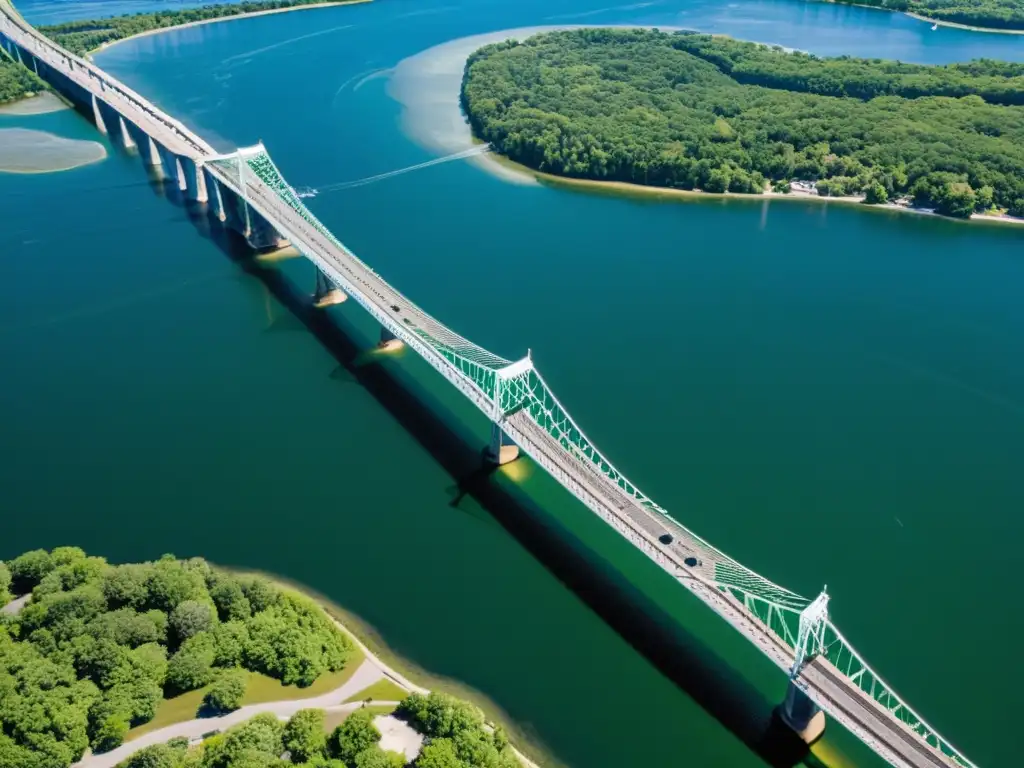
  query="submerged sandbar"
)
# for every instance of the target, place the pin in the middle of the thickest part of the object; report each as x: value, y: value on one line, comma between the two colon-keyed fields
x: 26, y: 151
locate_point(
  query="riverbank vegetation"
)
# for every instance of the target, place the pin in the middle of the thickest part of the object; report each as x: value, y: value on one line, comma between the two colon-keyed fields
x: 81, y: 37
x: 454, y: 732
x: 17, y: 82
x: 98, y: 647
x: 692, y: 111
x: 989, y: 14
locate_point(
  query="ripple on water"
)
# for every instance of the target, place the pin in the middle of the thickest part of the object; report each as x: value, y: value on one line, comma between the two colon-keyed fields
x: 27, y: 151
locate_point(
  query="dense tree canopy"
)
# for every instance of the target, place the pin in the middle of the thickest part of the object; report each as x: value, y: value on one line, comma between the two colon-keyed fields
x: 994, y: 14
x: 97, y: 647
x: 699, y: 112
x: 456, y: 736
x: 17, y: 82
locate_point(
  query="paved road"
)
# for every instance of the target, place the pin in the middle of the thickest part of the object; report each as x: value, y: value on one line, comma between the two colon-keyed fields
x: 366, y: 675
x: 14, y: 607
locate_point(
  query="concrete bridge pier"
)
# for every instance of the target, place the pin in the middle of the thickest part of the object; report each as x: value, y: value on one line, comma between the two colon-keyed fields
x: 152, y: 157
x: 260, y: 233
x: 126, y: 138
x: 802, y: 715
x: 101, y: 126
x: 501, y: 450
x: 172, y: 169
x: 195, y: 179
x: 216, y: 200
x: 388, y: 341
x: 327, y: 294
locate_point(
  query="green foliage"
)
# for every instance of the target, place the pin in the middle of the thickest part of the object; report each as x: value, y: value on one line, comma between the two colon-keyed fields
x: 110, y: 733
x: 227, y: 691
x: 44, y: 707
x: 28, y: 570
x: 191, y: 666
x: 190, y: 618
x: 356, y: 734
x: 5, y: 584
x: 992, y: 14
x: 169, y: 584
x: 231, y: 602
x: 996, y: 82
x: 439, y: 753
x: 875, y: 194
x: 294, y: 640
x: 242, y: 745
x: 156, y: 756
x: 699, y: 112
x: 17, y: 82
x: 83, y: 36
x: 375, y: 757
x: 304, y: 735
x: 456, y: 731
x: 230, y: 640
x: 127, y: 586
x: 93, y: 651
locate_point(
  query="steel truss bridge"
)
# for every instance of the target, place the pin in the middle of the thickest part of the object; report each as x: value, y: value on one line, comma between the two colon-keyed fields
x: 795, y: 632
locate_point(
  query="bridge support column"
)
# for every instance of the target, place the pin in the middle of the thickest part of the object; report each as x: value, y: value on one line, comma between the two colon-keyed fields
x: 195, y: 180
x: 501, y: 450
x: 218, y: 200
x: 327, y: 294
x: 126, y: 138
x: 388, y: 341
x: 179, y: 173
x: 152, y: 156
x: 97, y: 116
x: 802, y: 715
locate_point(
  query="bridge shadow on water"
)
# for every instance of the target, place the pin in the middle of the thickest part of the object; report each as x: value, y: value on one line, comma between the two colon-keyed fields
x: 693, y: 666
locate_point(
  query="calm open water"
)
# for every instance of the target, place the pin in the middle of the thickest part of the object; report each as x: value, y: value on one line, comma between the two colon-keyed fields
x: 831, y: 395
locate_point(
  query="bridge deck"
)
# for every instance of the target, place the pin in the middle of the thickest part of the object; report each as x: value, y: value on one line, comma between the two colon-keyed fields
x: 822, y: 682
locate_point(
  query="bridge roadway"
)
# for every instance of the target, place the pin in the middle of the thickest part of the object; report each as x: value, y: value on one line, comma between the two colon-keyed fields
x: 820, y: 680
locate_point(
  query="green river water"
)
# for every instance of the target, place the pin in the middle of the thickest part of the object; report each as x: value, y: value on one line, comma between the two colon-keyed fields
x: 829, y: 394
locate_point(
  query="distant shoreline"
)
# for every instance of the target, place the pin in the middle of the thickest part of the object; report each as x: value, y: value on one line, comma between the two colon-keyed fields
x: 629, y: 189
x: 968, y: 27
x: 234, y: 17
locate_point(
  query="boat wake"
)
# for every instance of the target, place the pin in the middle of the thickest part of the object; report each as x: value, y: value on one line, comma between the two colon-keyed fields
x: 464, y: 154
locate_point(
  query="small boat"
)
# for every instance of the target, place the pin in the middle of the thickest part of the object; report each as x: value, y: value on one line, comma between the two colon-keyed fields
x: 934, y: 27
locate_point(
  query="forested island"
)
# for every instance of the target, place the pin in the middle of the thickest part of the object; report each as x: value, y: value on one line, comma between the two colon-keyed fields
x: 90, y: 652
x: 81, y: 37
x: 987, y: 14
x: 695, y: 112
x: 98, y: 648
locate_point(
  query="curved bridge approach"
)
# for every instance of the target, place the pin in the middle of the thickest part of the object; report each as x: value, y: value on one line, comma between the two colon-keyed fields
x: 245, y: 190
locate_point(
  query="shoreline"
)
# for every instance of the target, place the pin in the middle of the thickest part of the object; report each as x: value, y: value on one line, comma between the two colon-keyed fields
x: 234, y: 17
x: 957, y: 25
x: 407, y: 673
x: 629, y: 189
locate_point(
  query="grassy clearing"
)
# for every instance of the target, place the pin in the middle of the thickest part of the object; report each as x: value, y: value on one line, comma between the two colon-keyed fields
x: 382, y: 690
x: 260, y: 689
x: 180, y: 709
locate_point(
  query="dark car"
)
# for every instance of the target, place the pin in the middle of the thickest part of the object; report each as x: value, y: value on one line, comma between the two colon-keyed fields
x: 665, y: 538
x: 692, y: 562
